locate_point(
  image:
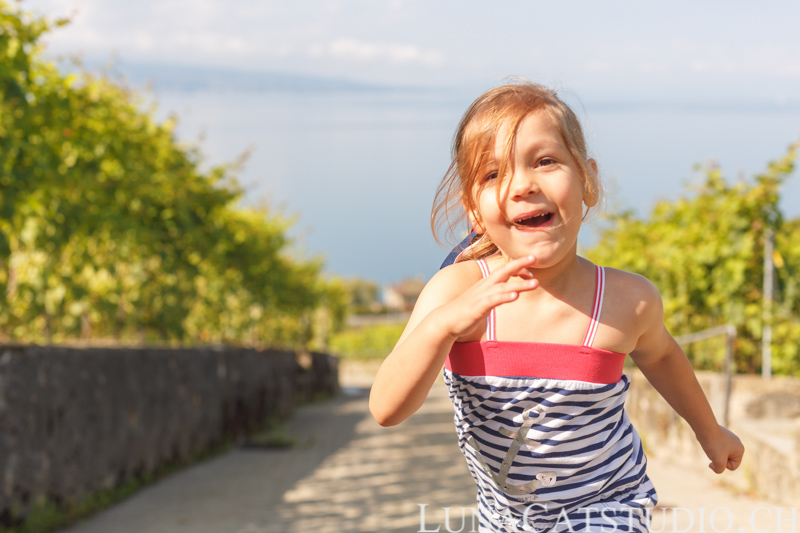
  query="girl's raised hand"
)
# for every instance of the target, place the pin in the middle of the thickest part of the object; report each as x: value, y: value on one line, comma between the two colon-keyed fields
x: 450, y: 306
x: 469, y: 311
x: 724, y: 449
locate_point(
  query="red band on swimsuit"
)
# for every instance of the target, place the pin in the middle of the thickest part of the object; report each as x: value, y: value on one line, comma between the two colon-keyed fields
x: 535, y: 360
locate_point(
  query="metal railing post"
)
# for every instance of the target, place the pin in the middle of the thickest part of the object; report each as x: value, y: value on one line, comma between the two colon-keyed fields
x: 729, y: 332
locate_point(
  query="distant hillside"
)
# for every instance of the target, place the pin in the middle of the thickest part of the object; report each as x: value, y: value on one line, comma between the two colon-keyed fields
x: 187, y: 78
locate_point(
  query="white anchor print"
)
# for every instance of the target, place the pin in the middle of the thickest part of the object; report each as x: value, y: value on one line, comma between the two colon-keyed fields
x: 530, y: 416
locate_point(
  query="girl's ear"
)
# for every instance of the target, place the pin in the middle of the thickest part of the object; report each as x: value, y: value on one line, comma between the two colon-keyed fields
x: 474, y: 218
x: 590, y: 193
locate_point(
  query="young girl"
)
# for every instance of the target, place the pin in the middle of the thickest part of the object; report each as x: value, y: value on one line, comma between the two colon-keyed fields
x: 533, y: 336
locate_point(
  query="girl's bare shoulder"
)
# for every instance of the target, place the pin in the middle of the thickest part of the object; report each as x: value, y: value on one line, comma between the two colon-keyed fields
x: 633, y: 295
x: 452, y: 280
x: 445, y: 286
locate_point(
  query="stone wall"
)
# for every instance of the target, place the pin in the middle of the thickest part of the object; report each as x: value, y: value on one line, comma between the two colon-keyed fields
x: 765, y: 414
x: 73, y: 421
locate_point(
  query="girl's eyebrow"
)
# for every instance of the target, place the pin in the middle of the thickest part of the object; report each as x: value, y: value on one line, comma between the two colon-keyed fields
x: 544, y: 145
x: 489, y: 161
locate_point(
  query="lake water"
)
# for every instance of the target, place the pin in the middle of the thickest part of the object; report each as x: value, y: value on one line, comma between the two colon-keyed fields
x: 359, y: 169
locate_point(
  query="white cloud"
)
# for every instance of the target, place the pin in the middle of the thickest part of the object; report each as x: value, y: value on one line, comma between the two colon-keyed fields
x: 142, y: 41
x: 435, y: 42
x: 209, y: 43
x: 695, y: 60
x: 598, y: 66
x: 699, y: 65
x: 400, y: 54
x: 653, y: 67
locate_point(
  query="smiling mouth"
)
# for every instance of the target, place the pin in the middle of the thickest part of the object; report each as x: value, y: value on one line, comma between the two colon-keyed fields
x: 534, y: 221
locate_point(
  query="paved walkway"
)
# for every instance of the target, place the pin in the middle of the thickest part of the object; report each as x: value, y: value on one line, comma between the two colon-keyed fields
x: 347, y: 474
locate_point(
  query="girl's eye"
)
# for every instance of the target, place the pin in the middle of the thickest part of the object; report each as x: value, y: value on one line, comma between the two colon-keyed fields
x: 490, y: 176
x: 545, y: 162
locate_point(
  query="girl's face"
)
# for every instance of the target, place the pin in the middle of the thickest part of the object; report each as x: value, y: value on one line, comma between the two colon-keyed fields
x: 543, y: 196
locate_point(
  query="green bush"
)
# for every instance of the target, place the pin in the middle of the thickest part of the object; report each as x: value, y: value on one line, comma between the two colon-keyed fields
x: 110, y: 229
x: 370, y: 342
x: 705, y: 253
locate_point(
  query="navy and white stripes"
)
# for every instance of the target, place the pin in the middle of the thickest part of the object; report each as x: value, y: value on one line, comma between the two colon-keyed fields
x: 578, y: 449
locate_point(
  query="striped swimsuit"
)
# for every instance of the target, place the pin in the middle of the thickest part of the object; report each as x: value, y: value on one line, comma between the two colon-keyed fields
x: 545, y: 435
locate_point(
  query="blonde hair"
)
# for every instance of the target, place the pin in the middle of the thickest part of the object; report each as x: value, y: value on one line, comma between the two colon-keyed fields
x: 473, y: 148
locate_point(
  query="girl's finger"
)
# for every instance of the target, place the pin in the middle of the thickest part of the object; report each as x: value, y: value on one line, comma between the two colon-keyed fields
x: 523, y: 262
x: 515, y: 267
x: 525, y: 274
x: 505, y: 297
x: 521, y: 285
x: 510, y: 291
x: 716, y: 468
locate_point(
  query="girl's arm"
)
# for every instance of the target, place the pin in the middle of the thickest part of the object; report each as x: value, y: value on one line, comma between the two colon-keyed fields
x: 454, y: 303
x: 667, y: 368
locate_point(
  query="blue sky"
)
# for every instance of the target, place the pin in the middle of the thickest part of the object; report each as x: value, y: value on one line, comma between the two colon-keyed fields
x: 614, y: 49
x: 660, y: 87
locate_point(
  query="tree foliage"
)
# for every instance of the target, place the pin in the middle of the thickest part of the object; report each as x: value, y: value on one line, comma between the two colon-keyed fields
x: 705, y: 253
x: 108, y: 226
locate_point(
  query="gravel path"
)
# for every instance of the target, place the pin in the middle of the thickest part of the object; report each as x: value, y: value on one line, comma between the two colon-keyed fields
x: 347, y: 474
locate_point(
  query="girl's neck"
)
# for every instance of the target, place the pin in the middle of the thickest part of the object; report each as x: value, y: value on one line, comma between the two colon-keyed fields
x: 560, y: 277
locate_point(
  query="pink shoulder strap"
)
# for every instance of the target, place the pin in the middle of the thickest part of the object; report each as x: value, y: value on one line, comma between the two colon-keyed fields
x: 597, y: 306
x: 490, y: 322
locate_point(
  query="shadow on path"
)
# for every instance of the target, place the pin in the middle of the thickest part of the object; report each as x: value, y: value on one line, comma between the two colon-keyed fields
x: 378, y: 480
x: 346, y: 474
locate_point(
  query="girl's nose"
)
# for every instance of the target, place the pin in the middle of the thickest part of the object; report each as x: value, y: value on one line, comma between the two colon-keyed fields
x: 523, y: 184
